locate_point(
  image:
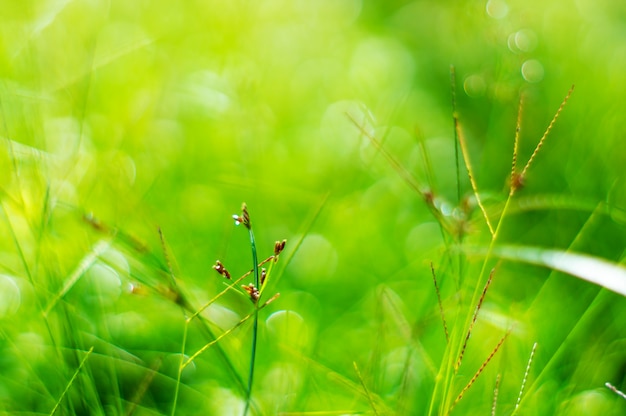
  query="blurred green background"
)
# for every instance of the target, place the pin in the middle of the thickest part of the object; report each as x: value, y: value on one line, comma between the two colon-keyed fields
x: 150, y: 114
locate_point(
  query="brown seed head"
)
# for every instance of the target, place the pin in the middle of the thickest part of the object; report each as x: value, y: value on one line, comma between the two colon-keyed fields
x: 279, y: 246
x: 252, y: 291
x: 219, y: 267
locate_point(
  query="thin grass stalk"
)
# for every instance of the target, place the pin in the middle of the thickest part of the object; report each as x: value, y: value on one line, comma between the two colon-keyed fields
x: 255, y: 326
x: 496, y: 390
x: 470, y: 174
x: 615, y: 390
x: 180, y: 367
x: 518, y: 128
x: 478, y: 372
x: 474, y: 317
x: 367, y: 392
x: 488, y: 256
x: 406, y: 176
x: 455, y: 119
x: 545, y: 134
x: 225, y: 333
x: 84, y: 265
x: 521, y: 390
x: 229, y: 287
x: 69, y: 384
x: 443, y: 317
x: 168, y: 263
x: 186, y: 306
x: 143, y: 388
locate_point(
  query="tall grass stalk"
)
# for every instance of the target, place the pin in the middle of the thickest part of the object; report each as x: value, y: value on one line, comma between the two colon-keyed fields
x: 69, y: 384
x: 458, y: 345
x: 255, y: 325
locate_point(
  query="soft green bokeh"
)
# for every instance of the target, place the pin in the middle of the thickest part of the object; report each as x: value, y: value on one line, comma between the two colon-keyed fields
x: 121, y: 117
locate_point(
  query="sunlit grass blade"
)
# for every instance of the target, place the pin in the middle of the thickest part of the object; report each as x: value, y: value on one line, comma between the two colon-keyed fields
x: 601, y: 272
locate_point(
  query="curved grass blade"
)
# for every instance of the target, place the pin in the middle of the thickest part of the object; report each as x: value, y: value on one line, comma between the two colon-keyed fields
x: 601, y: 272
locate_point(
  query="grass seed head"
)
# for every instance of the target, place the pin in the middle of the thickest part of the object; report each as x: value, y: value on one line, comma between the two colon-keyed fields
x: 219, y: 267
x: 252, y: 291
x: 279, y: 246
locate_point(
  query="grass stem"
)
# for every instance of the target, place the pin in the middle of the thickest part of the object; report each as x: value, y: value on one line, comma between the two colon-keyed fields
x: 69, y: 384
x: 367, y: 392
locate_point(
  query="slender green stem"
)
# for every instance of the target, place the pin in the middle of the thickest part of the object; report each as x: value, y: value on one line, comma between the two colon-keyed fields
x: 228, y: 331
x: 69, y: 384
x: 180, y: 368
x: 255, y: 325
x: 455, y: 120
x: 365, y: 389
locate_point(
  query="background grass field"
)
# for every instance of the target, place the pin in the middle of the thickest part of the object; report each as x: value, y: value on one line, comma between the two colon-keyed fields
x: 122, y: 118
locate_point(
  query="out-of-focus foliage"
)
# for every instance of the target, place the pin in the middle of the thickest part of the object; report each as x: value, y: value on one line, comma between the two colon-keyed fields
x: 121, y: 117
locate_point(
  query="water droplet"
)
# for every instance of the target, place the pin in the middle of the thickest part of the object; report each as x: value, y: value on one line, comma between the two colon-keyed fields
x: 497, y: 9
x: 288, y: 328
x: 102, y: 285
x: 525, y: 40
x: 474, y: 86
x: 532, y: 70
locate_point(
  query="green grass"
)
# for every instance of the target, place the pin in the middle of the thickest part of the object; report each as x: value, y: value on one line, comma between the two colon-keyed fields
x: 133, y: 131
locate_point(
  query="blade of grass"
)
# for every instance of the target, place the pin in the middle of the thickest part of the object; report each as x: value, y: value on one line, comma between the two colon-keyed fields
x: 599, y: 271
